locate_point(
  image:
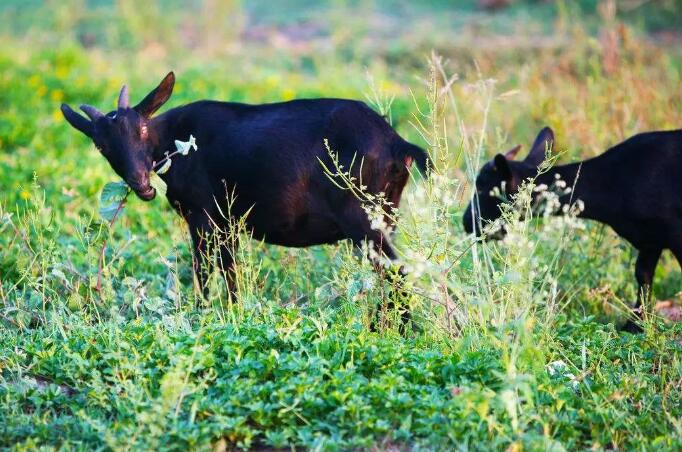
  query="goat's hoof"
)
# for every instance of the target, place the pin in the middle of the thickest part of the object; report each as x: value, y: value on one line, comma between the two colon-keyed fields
x: 631, y: 327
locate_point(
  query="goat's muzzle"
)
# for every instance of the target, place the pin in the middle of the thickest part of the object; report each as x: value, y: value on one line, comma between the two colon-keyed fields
x: 148, y: 194
x: 143, y: 191
x: 468, y: 221
x: 498, y: 234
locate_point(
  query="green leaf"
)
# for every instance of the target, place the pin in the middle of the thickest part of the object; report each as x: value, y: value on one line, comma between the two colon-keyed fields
x: 113, y: 195
x: 107, y: 212
x: 165, y: 167
x: 114, y: 191
x: 158, y: 183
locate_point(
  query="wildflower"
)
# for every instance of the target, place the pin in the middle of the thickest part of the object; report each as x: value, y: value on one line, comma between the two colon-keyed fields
x: 57, y: 95
x: 61, y: 72
x: 288, y: 94
x: 184, y: 147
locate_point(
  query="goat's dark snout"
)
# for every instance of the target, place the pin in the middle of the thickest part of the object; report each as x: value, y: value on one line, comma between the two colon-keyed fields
x: 468, y: 221
x: 471, y: 222
x: 142, y: 188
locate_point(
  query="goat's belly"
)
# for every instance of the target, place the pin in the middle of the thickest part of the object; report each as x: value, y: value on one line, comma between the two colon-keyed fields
x: 302, y: 231
x: 646, y: 233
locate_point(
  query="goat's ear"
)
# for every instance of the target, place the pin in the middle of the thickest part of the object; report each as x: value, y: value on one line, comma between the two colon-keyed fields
x: 501, y: 165
x: 543, y: 142
x: 77, y: 121
x: 157, y: 97
x: 511, y: 154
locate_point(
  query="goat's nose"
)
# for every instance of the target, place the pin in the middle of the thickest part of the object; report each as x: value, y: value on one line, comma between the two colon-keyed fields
x: 138, y: 187
x: 138, y: 181
x: 467, y: 221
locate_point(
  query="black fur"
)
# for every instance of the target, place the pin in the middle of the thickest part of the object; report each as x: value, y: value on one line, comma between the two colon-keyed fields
x: 635, y: 187
x: 267, y: 155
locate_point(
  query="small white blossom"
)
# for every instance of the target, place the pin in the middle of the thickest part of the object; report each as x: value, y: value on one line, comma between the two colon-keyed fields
x: 184, y: 147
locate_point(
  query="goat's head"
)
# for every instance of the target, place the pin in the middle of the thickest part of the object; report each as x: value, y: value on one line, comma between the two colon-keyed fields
x: 124, y: 136
x: 499, y: 179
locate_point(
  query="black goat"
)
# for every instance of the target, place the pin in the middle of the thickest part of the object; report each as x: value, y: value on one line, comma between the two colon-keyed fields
x: 267, y: 155
x: 634, y: 187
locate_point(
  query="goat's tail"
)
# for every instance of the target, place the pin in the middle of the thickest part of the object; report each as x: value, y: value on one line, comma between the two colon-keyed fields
x: 406, y: 150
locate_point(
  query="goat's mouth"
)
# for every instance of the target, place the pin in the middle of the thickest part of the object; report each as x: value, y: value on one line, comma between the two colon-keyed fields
x: 495, y: 234
x: 145, y: 193
x: 487, y: 232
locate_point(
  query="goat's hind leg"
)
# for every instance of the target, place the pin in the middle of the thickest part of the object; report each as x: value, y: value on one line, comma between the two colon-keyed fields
x: 395, y: 276
x: 644, y: 272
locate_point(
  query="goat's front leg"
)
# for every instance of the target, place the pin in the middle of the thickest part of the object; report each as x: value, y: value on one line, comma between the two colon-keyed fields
x: 202, y: 264
x: 396, y: 277
x: 644, y: 272
x: 359, y: 232
x: 226, y: 263
x: 208, y: 245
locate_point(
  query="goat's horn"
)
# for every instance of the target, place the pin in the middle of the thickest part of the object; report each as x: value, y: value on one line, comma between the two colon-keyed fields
x: 123, y: 100
x: 92, y: 112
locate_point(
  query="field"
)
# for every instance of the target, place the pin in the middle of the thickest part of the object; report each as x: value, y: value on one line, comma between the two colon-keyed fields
x: 515, y: 344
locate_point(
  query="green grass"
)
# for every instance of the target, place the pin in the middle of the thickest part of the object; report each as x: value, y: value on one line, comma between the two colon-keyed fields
x: 294, y: 379
x: 147, y: 363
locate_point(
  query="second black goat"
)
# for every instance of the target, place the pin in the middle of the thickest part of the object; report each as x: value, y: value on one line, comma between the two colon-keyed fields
x: 634, y: 187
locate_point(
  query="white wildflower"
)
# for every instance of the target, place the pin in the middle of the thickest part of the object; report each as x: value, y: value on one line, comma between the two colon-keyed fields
x: 184, y: 147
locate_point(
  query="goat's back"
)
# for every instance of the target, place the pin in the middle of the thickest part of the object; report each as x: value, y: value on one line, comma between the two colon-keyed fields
x: 272, y: 156
x: 644, y: 174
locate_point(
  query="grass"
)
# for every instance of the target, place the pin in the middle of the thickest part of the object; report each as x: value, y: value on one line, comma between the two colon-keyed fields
x: 515, y: 344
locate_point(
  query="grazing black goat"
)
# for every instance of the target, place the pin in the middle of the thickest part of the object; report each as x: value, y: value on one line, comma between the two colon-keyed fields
x: 268, y: 155
x: 635, y: 187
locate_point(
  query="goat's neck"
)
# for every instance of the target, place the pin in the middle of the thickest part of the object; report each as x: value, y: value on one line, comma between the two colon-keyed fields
x: 587, y: 184
x: 162, y: 130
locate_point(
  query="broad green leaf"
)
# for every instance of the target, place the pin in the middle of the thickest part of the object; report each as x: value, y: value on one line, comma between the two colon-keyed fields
x: 113, y: 195
x: 114, y: 191
x: 107, y: 212
x: 165, y: 167
x: 158, y: 183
